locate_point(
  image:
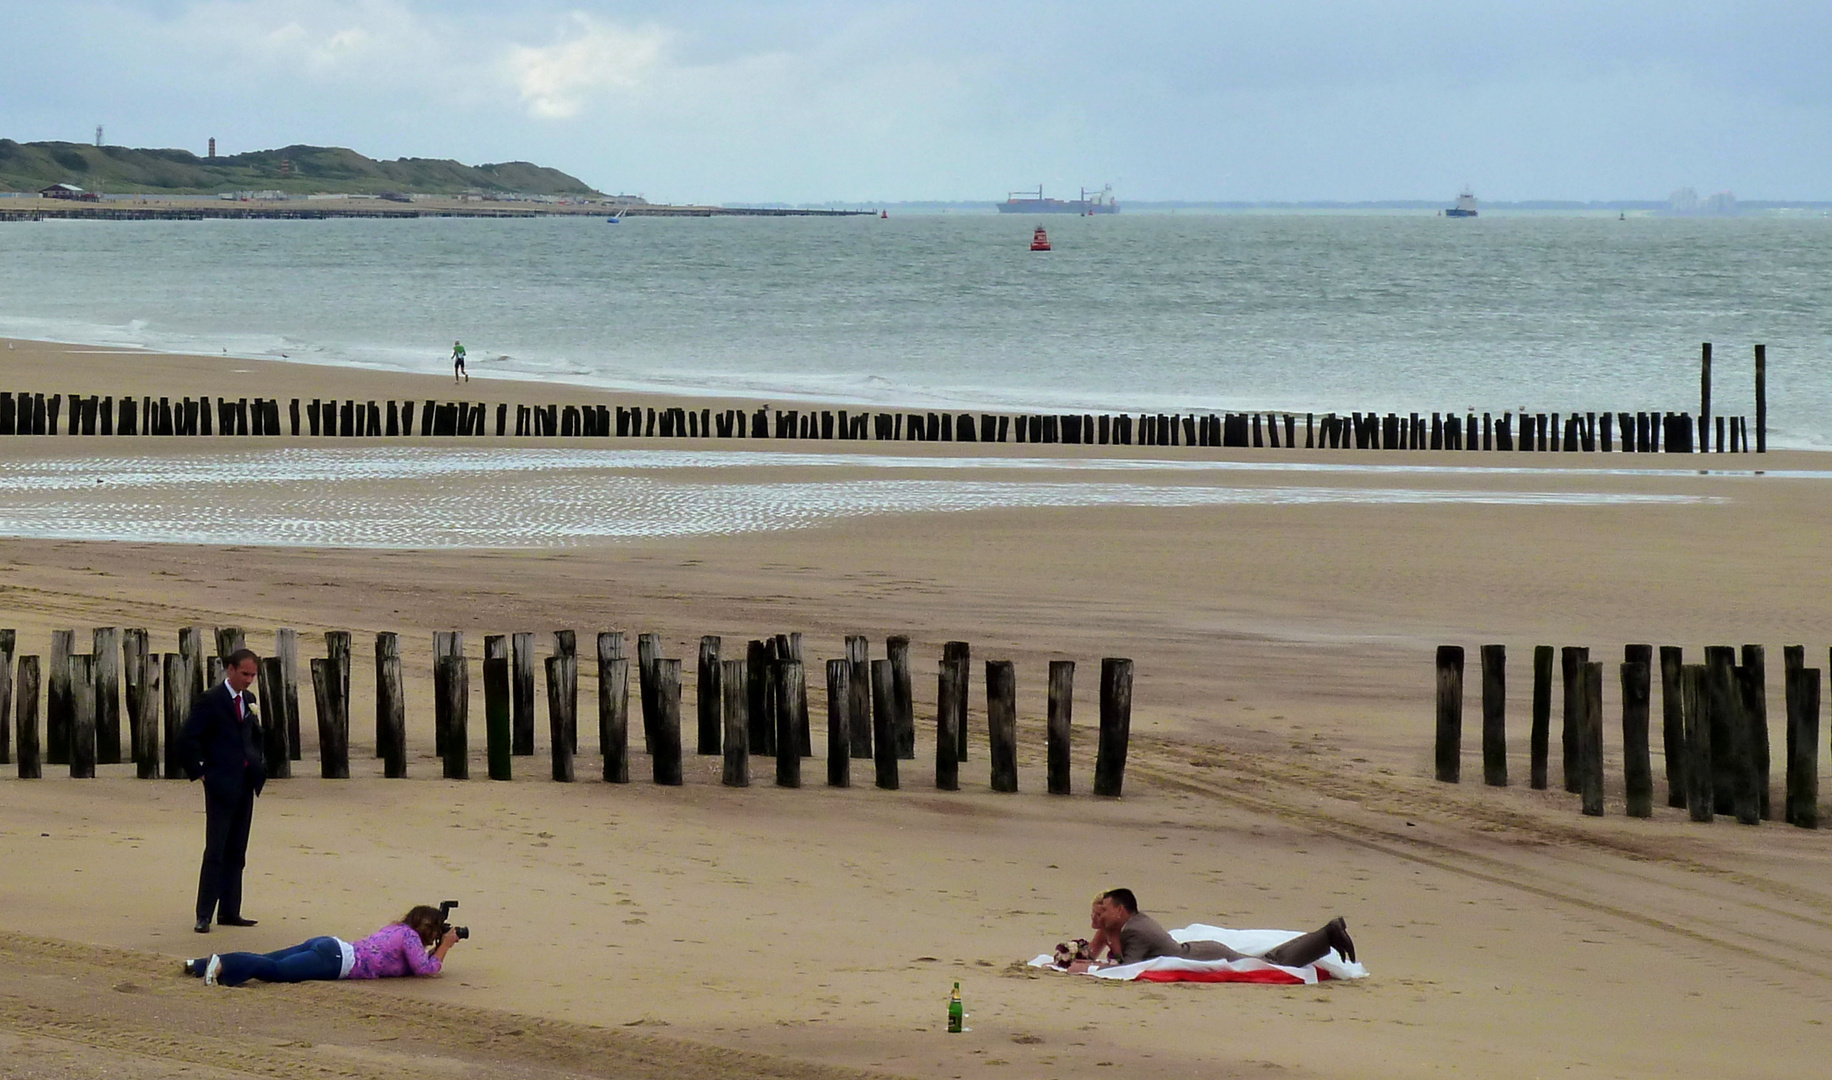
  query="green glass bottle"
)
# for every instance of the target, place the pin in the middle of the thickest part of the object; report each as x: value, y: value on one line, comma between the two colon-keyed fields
x: 954, y: 1011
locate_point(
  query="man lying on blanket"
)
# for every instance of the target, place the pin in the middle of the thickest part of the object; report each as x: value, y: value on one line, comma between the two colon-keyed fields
x: 1127, y: 936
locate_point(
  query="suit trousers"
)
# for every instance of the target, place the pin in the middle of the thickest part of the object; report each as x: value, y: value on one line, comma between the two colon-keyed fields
x: 227, y: 817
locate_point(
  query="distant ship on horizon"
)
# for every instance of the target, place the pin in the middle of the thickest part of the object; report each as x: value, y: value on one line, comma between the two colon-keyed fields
x: 1033, y: 202
x: 1466, y: 205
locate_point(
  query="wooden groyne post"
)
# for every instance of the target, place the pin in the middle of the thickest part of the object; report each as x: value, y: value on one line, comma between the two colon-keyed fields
x: 391, y: 705
x: 1673, y: 724
x: 859, y: 687
x: 1495, y: 715
x: 57, y: 699
x: 666, y: 755
x: 333, y: 719
x: 959, y: 652
x: 8, y: 640
x: 708, y: 695
x: 1704, y: 400
x: 1728, y: 715
x: 286, y: 647
x: 1572, y: 659
x: 521, y: 689
x: 566, y: 643
x: 1450, y: 713
x: 788, y: 686
x: 1061, y: 713
x: 1802, y: 803
x: 1695, y: 704
x: 25, y: 712
x: 839, y: 723
x: 106, y: 650
x: 898, y: 650
x: 1637, y: 765
x: 1002, y: 723
x: 883, y: 723
x: 178, y: 696
x: 759, y: 702
x: 1755, y: 709
x: 1541, y: 737
x: 81, y: 674
x: 614, y: 718
x: 733, y: 691
x: 273, y: 719
x: 1762, y: 402
x: 1115, y: 726
x: 1590, y: 740
x: 947, y: 757
x: 498, y: 727
x: 134, y: 673
x: 557, y: 723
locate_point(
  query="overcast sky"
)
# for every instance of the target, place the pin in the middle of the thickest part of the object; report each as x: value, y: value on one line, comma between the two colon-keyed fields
x: 730, y: 102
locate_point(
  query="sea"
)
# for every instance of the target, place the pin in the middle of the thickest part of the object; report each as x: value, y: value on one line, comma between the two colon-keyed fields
x: 1300, y: 312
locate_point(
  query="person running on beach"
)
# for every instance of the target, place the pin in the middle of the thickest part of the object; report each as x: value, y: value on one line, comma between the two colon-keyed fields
x: 1128, y: 936
x: 458, y: 371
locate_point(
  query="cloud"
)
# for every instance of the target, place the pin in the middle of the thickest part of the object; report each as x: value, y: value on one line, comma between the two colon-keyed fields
x: 555, y: 81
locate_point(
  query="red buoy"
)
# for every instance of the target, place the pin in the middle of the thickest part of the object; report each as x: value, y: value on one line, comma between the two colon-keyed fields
x: 1040, y: 240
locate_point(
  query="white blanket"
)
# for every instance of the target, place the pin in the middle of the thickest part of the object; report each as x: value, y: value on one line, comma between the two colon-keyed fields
x: 1251, y: 942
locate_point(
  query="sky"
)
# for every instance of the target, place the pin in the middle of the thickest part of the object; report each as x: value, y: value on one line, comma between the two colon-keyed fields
x: 728, y: 102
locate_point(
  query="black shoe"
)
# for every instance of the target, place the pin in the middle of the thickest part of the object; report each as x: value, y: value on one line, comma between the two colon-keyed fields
x: 203, y: 926
x: 1339, y: 939
x: 234, y: 920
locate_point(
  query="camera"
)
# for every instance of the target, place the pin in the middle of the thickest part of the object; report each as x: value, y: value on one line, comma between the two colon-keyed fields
x: 445, y: 909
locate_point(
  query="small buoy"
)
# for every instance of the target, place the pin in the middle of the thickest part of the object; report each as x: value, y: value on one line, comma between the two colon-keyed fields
x: 883, y: 214
x: 1040, y: 240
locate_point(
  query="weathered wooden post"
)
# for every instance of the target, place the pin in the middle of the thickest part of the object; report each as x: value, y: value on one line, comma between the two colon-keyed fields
x: 666, y: 758
x: 1802, y: 742
x: 81, y: 669
x: 457, y: 691
x: 390, y: 707
x: 1495, y: 715
x: 1572, y: 660
x: 145, y: 719
x: 960, y: 652
x: 947, y: 759
x: 883, y: 723
x: 708, y: 696
x: 1637, y: 768
x: 1590, y: 740
x: 859, y: 686
x: 804, y: 737
x: 25, y: 712
x: 1727, y: 713
x: 1704, y: 401
x: 286, y: 647
x: 789, y: 683
x: 898, y: 651
x: 614, y: 718
x: 107, y: 653
x: 191, y: 647
x: 521, y: 693
x: 134, y: 670
x: 732, y: 689
x: 273, y: 719
x: 8, y: 640
x: 1002, y: 723
x: 337, y: 650
x: 498, y: 732
x: 178, y: 696
x: 648, y: 651
x: 333, y: 721
x: 229, y: 639
x: 1673, y: 724
x: 839, y: 723
x: 57, y: 699
x: 556, y: 718
x: 760, y: 703
x: 1450, y: 714
x: 1115, y: 726
x: 565, y: 643
x: 1695, y: 704
x: 1762, y: 404
x: 1755, y: 710
x: 1061, y: 709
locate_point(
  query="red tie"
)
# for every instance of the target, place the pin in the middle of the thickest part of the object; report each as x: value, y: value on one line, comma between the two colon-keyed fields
x: 238, y: 709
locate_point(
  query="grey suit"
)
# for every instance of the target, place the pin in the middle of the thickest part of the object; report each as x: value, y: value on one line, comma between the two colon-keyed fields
x: 1143, y: 939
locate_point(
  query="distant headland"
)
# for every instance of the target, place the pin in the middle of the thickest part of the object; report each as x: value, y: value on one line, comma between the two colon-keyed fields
x: 292, y: 170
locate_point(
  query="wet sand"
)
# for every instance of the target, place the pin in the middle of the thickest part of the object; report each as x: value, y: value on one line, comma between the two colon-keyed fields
x: 1280, y: 774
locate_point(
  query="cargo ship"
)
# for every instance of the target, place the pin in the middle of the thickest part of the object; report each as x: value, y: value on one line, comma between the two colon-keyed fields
x: 1033, y: 202
x: 1466, y: 205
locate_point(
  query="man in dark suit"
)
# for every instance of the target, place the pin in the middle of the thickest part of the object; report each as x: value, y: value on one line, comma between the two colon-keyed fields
x: 220, y: 744
x: 1130, y: 936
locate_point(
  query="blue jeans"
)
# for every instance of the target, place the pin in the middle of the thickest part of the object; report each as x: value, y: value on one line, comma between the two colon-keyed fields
x: 318, y: 959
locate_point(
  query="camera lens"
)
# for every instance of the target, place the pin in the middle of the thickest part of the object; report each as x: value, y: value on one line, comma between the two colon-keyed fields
x: 464, y: 932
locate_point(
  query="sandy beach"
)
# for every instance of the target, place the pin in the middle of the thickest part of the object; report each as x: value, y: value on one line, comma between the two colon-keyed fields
x: 1282, y: 608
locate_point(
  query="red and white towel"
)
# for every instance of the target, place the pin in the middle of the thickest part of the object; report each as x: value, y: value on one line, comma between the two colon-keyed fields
x: 1251, y: 942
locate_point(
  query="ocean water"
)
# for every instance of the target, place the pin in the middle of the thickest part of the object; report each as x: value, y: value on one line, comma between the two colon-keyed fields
x: 1299, y: 312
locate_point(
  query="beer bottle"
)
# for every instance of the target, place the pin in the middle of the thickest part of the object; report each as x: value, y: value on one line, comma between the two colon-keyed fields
x: 954, y: 1011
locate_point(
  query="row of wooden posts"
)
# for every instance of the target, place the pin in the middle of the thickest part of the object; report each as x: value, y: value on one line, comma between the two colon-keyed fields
x: 1644, y: 432
x: 755, y: 705
x: 1714, y: 728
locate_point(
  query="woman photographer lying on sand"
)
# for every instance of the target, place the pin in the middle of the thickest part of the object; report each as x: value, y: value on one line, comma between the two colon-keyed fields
x: 414, y: 946
x: 1123, y: 935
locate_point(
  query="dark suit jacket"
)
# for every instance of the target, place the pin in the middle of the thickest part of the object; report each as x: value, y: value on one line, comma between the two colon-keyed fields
x: 1142, y: 938
x: 219, y: 749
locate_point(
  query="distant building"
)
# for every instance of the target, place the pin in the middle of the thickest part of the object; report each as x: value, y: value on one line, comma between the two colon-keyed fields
x: 1723, y: 203
x: 1683, y: 201
x: 1686, y: 203
x: 62, y: 191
